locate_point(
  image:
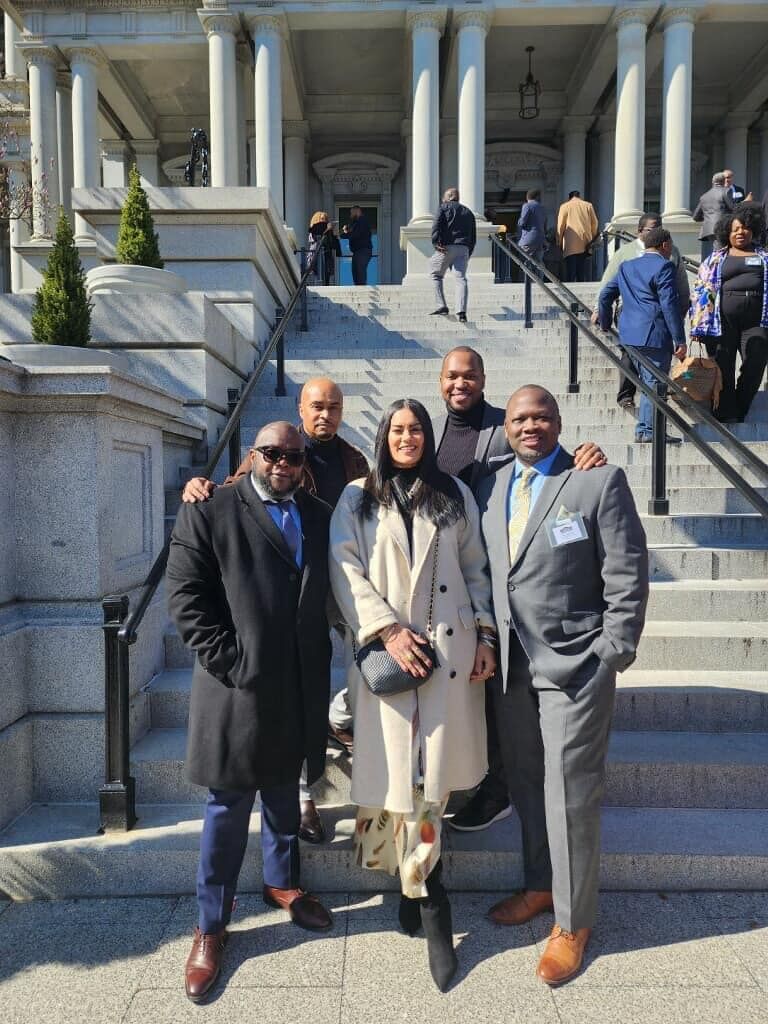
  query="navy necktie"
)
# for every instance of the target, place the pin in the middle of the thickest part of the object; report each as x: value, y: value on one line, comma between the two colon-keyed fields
x: 288, y: 527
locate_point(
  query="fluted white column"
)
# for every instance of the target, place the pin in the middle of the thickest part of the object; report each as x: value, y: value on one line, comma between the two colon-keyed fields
x: 629, y: 187
x: 472, y: 28
x: 244, y: 89
x: 17, y: 228
x: 574, y: 131
x: 64, y: 138
x: 220, y: 27
x: 606, y: 157
x: 426, y: 28
x: 449, y: 155
x: 145, y: 152
x: 678, y: 88
x: 85, y: 126
x: 41, y: 64
x: 268, y: 33
x: 406, y: 135
x: 295, y: 133
x: 736, y: 128
x: 14, y: 61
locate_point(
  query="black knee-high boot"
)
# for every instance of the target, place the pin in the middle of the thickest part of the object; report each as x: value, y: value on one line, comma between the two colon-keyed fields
x: 438, y: 928
x: 409, y: 915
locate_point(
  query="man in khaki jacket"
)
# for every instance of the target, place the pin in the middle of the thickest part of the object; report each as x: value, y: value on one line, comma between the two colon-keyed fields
x: 577, y: 227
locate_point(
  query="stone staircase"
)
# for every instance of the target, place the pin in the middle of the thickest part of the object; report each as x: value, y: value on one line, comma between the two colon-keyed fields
x: 686, y: 803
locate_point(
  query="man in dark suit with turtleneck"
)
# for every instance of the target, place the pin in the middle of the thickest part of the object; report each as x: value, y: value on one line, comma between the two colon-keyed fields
x: 469, y: 438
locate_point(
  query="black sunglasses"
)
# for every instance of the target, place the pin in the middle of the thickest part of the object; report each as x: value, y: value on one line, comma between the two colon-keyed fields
x: 291, y: 456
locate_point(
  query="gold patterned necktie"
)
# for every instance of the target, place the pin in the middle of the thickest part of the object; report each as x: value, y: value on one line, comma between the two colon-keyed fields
x: 519, y: 518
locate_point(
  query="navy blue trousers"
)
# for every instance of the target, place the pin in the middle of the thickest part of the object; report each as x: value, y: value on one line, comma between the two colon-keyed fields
x: 223, y: 843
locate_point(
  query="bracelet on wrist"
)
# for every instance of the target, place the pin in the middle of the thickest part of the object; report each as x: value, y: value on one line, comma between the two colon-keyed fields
x: 387, y: 633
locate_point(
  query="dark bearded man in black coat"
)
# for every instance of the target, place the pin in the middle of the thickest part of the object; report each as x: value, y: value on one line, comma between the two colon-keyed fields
x: 248, y: 591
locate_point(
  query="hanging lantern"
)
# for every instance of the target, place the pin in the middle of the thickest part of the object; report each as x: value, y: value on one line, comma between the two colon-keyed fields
x: 529, y: 90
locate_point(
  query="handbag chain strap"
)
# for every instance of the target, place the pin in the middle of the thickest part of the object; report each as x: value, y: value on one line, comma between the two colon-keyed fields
x: 432, y: 588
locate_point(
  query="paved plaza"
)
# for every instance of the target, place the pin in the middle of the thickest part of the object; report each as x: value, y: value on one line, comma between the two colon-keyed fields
x: 657, y: 958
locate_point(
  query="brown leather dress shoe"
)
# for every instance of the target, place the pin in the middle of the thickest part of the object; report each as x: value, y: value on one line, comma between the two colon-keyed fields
x: 562, y: 958
x: 306, y: 910
x: 311, y: 827
x: 343, y: 737
x: 204, y: 963
x: 521, y: 907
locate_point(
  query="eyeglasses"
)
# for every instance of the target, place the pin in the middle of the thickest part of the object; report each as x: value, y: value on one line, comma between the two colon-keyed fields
x: 291, y: 456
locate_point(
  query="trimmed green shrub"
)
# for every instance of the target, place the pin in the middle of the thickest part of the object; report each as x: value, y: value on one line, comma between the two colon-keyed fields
x: 136, y: 237
x: 61, y: 314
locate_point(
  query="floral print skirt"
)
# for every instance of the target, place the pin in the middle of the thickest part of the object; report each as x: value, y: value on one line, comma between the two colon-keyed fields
x: 410, y: 843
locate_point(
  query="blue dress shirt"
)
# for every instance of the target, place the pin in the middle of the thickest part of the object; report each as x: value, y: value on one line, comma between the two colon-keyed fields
x: 277, y: 517
x: 542, y: 469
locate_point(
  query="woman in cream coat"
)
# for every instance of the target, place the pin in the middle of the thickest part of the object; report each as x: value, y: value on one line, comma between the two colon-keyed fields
x: 392, y: 533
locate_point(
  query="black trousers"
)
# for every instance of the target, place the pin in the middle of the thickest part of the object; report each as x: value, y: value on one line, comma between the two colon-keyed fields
x: 742, y: 334
x: 360, y: 261
x: 576, y: 267
x: 626, y: 388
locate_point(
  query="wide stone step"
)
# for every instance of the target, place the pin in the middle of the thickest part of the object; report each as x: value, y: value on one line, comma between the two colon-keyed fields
x: 667, y: 644
x: 704, y: 528
x: 685, y: 562
x: 53, y: 851
x: 709, y: 600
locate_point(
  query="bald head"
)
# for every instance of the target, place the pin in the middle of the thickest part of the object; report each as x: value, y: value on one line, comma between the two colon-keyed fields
x: 536, y: 392
x: 451, y: 195
x: 532, y: 423
x: 280, y: 433
x: 277, y: 459
x: 321, y: 405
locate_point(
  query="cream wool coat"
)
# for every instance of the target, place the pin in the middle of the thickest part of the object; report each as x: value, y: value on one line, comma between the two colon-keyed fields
x: 375, y: 585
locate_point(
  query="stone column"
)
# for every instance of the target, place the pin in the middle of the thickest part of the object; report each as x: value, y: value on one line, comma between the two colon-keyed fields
x: 295, y: 134
x: 41, y: 64
x: 736, y: 126
x: 85, y: 126
x: 114, y: 163
x: 385, y: 230
x: 268, y: 31
x: 763, y: 158
x: 14, y: 61
x: 574, y: 131
x: 678, y: 85
x: 406, y: 135
x: 449, y: 155
x: 244, y: 85
x: 426, y: 28
x: 252, y: 160
x: 64, y: 139
x: 607, y: 148
x: 220, y: 27
x: 145, y: 152
x: 629, y: 187
x: 17, y: 229
x: 472, y: 28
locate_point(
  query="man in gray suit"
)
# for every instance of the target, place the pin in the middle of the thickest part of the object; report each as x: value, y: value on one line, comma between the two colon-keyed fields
x: 712, y: 205
x: 569, y: 569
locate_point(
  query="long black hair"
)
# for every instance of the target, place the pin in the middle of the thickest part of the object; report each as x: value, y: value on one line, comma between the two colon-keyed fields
x: 435, y: 494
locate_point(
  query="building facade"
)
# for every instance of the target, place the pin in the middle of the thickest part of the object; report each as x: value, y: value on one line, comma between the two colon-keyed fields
x: 385, y: 103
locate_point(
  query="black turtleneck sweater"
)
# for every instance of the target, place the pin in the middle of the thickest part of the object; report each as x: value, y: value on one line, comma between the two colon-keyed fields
x: 456, y: 454
x: 327, y: 468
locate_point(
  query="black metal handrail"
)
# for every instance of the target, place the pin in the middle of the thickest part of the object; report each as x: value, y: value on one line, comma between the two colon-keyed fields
x: 117, y: 804
x: 535, y: 271
x: 691, y: 265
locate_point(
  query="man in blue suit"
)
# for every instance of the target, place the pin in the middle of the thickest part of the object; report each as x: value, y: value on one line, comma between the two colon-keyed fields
x: 650, y: 316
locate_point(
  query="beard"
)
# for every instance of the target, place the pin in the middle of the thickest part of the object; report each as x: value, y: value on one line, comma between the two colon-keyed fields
x: 272, y: 492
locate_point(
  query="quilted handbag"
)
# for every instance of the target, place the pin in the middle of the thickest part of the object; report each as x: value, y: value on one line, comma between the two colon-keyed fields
x: 382, y: 674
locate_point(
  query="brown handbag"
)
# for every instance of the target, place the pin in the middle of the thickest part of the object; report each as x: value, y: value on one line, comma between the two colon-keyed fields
x: 700, y: 378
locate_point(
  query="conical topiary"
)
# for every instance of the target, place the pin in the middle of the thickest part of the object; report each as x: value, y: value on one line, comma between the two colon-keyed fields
x: 61, y: 314
x: 136, y: 238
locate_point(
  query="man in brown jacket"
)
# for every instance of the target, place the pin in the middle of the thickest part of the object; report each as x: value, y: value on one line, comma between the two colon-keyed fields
x: 577, y: 228
x: 330, y: 464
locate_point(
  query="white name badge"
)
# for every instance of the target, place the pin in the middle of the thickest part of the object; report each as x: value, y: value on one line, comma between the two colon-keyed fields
x: 566, y: 530
x: 753, y: 261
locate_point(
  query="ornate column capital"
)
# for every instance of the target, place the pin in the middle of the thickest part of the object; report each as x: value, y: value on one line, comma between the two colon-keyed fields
x: 432, y: 18
x: 684, y: 15
x: 631, y: 15
x: 219, y: 20
x: 273, y: 23
x: 296, y: 130
x: 113, y: 147
x: 479, y: 18
x: 84, y: 55
x: 145, y: 147
x: 38, y: 54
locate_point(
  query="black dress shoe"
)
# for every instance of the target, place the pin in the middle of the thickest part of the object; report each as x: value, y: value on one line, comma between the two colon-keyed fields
x: 311, y: 828
x: 305, y: 909
x: 442, y: 311
x: 462, y: 318
x: 483, y: 810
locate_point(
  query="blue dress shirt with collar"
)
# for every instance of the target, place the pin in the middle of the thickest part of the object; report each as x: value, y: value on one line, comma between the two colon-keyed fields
x: 275, y: 512
x: 542, y: 469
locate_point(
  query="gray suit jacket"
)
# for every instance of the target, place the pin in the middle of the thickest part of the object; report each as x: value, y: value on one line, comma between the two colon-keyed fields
x: 491, y: 442
x: 712, y: 205
x: 568, y: 603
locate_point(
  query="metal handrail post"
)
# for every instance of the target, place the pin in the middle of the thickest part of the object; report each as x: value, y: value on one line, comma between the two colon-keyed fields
x: 573, y: 353
x: 280, y: 389
x: 528, y: 299
x: 658, y: 504
x: 117, y: 797
x: 304, y: 326
x: 233, y: 397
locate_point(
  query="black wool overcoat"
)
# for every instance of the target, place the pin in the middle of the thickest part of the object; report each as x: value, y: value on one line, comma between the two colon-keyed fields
x: 259, y: 628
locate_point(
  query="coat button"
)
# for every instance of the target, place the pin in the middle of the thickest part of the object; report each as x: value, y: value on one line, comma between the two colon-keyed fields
x: 443, y: 588
x: 512, y: 587
x: 449, y: 632
x: 452, y: 674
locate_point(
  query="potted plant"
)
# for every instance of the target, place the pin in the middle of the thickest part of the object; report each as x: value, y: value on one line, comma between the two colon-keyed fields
x: 139, y: 267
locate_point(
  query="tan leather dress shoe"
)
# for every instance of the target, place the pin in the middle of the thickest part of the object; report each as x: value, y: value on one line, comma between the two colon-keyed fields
x: 562, y: 958
x: 305, y: 910
x: 521, y: 907
x: 204, y: 963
